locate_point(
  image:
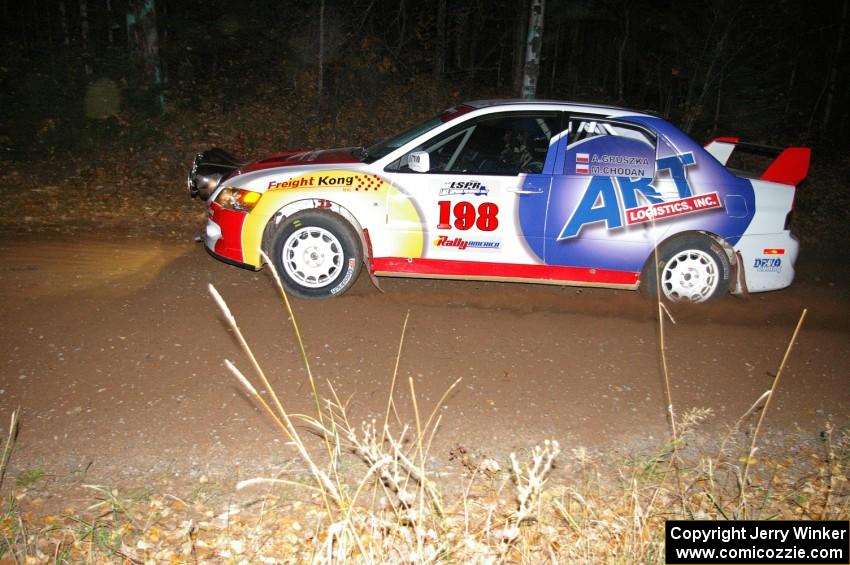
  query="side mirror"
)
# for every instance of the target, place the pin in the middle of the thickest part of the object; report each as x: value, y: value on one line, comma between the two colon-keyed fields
x: 419, y: 161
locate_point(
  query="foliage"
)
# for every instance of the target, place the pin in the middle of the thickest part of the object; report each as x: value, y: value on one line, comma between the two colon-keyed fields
x: 759, y: 69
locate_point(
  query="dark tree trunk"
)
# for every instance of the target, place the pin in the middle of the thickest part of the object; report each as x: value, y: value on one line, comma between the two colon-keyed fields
x: 320, y: 84
x: 440, y: 55
x: 789, y: 90
x: 401, y: 22
x: 717, y: 104
x: 695, y: 102
x: 554, y: 75
x: 833, y: 72
x: 621, y: 52
x: 520, y: 38
x: 572, y: 58
x: 84, y: 37
x: 472, y: 40
x: 143, y: 41
x: 110, y: 31
x: 460, y: 38
x: 63, y: 23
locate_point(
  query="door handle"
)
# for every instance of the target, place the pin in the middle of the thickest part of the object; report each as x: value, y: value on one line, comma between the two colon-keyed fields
x: 521, y: 191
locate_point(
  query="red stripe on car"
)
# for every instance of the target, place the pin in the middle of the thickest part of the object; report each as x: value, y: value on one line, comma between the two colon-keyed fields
x: 441, y: 267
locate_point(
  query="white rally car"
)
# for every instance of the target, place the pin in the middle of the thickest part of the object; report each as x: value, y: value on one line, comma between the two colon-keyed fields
x: 513, y: 190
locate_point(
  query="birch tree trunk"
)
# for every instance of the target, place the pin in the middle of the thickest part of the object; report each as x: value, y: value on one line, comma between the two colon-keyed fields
x: 533, y: 49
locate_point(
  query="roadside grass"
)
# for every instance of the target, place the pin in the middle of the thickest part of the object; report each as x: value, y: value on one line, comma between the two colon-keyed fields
x: 371, y: 492
x: 595, y: 507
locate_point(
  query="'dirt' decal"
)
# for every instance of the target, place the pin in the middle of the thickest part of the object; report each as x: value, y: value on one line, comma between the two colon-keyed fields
x: 765, y: 265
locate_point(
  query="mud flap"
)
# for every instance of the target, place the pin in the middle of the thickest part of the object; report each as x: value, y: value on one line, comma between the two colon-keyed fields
x: 740, y: 277
x: 367, y: 260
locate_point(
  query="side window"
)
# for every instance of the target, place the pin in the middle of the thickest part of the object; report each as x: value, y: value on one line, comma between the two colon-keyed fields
x: 494, y: 145
x: 603, y: 147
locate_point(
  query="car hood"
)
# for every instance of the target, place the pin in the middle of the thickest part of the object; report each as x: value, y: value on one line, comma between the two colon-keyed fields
x: 260, y: 175
x: 301, y: 158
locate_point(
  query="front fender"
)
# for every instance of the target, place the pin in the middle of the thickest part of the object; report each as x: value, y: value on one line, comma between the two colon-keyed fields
x: 361, y: 198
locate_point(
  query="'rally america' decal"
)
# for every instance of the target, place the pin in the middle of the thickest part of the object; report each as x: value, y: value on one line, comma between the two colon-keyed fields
x: 460, y: 243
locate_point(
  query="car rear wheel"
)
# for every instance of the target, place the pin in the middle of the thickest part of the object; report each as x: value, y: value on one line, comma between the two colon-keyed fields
x: 690, y: 269
x: 317, y: 254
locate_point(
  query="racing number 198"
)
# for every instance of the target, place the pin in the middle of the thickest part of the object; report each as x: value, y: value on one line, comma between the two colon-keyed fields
x: 485, y: 218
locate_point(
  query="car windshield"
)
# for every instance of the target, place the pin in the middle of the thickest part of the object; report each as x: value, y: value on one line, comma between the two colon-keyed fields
x: 382, y: 149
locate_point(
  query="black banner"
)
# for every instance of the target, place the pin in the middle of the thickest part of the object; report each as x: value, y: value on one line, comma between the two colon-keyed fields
x: 757, y: 541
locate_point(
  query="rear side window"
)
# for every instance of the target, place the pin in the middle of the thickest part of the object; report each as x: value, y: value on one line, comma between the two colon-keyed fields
x: 603, y: 147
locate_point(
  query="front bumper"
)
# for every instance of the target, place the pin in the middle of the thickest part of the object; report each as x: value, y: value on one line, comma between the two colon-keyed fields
x: 223, y: 235
x: 229, y: 261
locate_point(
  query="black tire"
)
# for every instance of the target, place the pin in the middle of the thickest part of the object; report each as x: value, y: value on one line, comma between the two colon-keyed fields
x: 693, y: 268
x: 316, y: 253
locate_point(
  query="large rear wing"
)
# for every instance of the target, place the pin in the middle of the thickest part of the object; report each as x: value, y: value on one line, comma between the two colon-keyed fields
x: 788, y: 166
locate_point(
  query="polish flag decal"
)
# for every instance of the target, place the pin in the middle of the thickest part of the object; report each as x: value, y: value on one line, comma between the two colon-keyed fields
x: 582, y: 158
x: 582, y: 169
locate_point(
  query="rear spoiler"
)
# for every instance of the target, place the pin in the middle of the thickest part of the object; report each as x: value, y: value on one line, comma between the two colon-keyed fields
x: 789, y: 166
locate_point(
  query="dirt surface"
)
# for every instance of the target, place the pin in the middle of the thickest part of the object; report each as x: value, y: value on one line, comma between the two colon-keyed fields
x: 114, y: 350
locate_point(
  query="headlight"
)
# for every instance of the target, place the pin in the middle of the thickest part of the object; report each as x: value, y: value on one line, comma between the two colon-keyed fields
x: 238, y: 199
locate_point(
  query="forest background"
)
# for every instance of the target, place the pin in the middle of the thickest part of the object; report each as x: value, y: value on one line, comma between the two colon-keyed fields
x: 131, y: 89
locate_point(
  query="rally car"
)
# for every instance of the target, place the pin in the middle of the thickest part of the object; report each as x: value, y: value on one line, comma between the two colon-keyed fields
x: 513, y: 190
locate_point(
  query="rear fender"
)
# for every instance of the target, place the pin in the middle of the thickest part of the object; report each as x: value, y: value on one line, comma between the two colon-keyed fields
x: 734, y: 264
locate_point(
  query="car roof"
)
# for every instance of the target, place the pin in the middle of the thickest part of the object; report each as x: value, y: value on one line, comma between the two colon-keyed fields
x: 478, y: 104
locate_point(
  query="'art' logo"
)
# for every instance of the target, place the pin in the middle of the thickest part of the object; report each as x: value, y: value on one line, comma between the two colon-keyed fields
x: 602, y: 203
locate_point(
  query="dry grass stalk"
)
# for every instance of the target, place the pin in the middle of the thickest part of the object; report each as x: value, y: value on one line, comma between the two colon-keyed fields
x: 752, y: 451
x: 304, y: 357
x: 598, y: 523
x: 529, y: 481
x: 10, y: 442
x: 281, y: 417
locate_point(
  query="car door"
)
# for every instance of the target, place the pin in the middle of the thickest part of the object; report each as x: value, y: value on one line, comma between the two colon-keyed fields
x: 468, y: 198
x: 608, y: 172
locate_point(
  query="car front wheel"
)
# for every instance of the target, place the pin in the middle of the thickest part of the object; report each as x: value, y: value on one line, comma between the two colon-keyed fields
x: 317, y: 254
x: 690, y: 269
